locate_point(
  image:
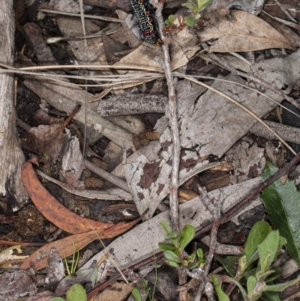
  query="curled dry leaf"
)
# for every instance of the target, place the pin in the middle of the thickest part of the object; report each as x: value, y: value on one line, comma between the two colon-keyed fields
x: 67, y: 246
x: 54, y: 211
x: 239, y: 31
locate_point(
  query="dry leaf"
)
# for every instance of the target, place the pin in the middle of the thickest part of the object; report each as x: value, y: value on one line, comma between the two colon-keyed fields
x: 239, y: 31
x: 72, y: 162
x: 67, y: 246
x: 45, y: 141
x: 117, y: 292
x: 54, y: 211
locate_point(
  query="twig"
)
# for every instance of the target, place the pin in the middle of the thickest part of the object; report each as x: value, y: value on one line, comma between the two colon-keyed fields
x: 90, y: 194
x: 285, y: 11
x: 108, y: 19
x: 216, y: 211
x: 174, y: 207
x: 106, y: 175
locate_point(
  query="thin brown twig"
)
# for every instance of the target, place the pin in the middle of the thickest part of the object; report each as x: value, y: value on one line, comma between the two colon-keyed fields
x: 216, y: 211
x: 174, y: 207
x: 106, y: 175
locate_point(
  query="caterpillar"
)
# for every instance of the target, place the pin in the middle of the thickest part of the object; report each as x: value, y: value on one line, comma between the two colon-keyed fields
x: 145, y: 14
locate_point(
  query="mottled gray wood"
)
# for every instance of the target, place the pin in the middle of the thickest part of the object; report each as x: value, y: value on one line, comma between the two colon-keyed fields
x: 127, y: 104
x: 12, y: 157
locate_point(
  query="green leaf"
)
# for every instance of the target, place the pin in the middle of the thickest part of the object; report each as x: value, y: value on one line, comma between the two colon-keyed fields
x: 190, y: 21
x: 189, y: 6
x: 171, y: 256
x: 173, y: 264
x: 242, y: 290
x: 268, y: 250
x: 270, y: 296
x: 221, y: 295
x: 252, y: 259
x: 188, y: 233
x: 229, y: 263
x: 263, y: 275
x: 200, y: 253
x: 76, y: 293
x: 256, y: 236
x: 204, y: 4
x: 165, y: 247
x: 281, y: 286
x: 57, y: 299
x: 251, y: 283
x: 173, y: 236
x: 282, y: 202
x: 136, y: 294
x: 165, y: 227
x: 171, y: 18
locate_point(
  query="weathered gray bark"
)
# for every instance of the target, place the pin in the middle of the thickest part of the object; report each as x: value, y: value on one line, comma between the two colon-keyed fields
x: 11, y: 156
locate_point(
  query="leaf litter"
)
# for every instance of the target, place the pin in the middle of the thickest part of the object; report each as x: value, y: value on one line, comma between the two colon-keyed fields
x: 208, y: 124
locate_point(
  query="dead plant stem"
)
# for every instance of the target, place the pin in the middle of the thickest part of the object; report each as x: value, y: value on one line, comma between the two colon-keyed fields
x: 212, y: 247
x: 172, y: 111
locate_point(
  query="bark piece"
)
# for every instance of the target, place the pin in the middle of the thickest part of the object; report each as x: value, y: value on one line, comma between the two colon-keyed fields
x: 16, y: 285
x: 11, y: 158
x: 132, y: 104
x: 36, y: 40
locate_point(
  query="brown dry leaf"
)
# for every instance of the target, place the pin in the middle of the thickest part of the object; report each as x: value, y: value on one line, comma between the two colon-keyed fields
x: 117, y: 292
x: 45, y: 141
x: 67, y: 246
x: 54, y: 211
x: 239, y: 31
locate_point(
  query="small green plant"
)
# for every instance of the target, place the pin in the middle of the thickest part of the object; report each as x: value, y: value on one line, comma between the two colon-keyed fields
x: 255, y: 268
x: 195, y: 7
x: 75, y: 293
x: 170, y: 21
x: 174, y: 248
x: 136, y: 292
x: 71, y: 269
x: 142, y: 286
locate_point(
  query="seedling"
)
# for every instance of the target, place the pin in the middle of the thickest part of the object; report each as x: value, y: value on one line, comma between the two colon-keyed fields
x: 174, y: 248
x: 195, y: 7
x: 71, y: 269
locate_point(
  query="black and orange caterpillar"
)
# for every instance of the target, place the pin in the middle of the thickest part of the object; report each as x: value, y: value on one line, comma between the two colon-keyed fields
x: 145, y: 14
